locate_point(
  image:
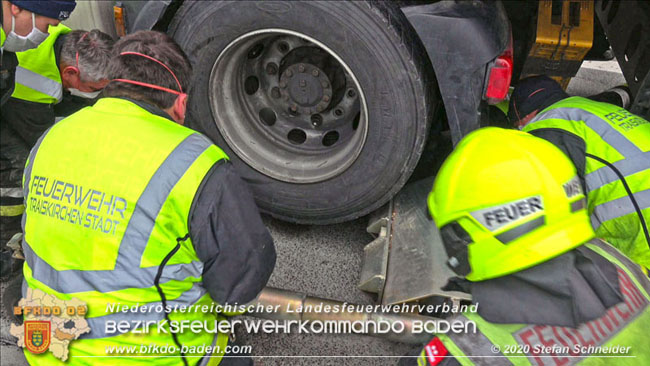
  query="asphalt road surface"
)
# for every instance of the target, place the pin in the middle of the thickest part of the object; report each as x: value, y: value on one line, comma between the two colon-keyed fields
x: 325, y: 261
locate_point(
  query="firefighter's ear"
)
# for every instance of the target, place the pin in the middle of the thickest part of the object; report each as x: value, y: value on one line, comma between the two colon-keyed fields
x: 178, y: 109
x: 70, y: 77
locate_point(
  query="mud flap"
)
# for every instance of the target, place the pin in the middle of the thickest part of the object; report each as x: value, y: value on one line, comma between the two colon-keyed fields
x: 407, y: 261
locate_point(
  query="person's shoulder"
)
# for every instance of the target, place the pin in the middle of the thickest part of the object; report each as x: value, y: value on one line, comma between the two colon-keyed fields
x: 588, y: 105
x: 570, y: 102
x: 613, y: 254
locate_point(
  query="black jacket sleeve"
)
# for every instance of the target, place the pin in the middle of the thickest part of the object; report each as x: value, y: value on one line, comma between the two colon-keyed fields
x: 573, y: 146
x: 70, y: 104
x: 614, y: 96
x: 29, y: 120
x: 8, y: 63
x: 229, y: 237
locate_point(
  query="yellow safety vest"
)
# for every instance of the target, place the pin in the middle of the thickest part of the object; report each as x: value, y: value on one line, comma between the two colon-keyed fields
x: 624, y: 325
x: 38, y: 78
x: 616, y: 137
x: 108, y: 193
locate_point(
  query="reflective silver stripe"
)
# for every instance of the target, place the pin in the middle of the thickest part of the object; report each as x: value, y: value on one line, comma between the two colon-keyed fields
x: 205, y: 360
x: 39, y: 83
x: 24, y: 287
x: 71, y: 280
x: 605, y: 175
x: 594, y: 221
x: 28, y: 169
x: 619, y: 207
x: 154, y: 196
x: 28, y: 173
x: 603, y: 128
x: 98, y: 324
x: 578, y: 205
x: 477, y: 344
x: 127, y: 272
x: 520, y: 230
x: 15, y: 192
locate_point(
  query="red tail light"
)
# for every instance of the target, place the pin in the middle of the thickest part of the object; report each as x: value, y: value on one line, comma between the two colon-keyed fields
x: 435, y: 351
x: 499, y: 76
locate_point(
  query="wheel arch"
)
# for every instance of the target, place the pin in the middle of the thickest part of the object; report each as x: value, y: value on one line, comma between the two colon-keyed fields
x: 461, y: 71
x: 153, y: 15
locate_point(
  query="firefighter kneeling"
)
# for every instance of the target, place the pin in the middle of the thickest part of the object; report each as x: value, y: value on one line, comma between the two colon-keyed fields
x: 188, y: 233
x: 544, y: 285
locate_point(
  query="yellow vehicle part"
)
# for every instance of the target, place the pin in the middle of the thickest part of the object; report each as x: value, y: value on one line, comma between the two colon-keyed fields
x: 565, y: 31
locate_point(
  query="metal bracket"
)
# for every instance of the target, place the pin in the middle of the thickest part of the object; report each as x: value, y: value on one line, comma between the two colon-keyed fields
x: 375, y: 260
x: 407, y: 261
x: 565, y: 33
x: 641, y: 105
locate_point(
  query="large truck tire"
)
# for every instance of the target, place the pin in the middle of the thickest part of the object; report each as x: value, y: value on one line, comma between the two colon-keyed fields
x: 322, y: 106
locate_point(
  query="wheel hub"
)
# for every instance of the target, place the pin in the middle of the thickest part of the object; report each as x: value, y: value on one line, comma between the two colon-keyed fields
x: 306, y: 88
x: 288, y: 106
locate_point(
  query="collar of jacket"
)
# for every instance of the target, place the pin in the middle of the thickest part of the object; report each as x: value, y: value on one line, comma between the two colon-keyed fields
x: 568, y: 290
x: 108, y: 104
x: 58, y: 46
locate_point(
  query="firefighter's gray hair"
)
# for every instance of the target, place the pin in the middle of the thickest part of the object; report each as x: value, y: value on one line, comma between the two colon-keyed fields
x: 95, y: 50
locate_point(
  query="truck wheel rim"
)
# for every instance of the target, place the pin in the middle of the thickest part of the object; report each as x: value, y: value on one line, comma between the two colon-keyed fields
x: 288, y: 106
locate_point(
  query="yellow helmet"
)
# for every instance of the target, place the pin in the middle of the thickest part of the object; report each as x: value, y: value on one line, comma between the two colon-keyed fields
x: 504, y: 201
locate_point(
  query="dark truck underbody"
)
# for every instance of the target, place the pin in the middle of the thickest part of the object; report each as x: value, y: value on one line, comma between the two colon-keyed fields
x: 460, y: 71
x: 460, y: 41
x: 625, y: 25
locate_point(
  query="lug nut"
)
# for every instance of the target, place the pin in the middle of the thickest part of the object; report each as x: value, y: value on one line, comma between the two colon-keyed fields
x: 255, y: 51
x: 283, y: 84
x: 275, y: 92
x: 301, y: 68
x: 271, y: 68
x: 326, y: 98
x: 325, y: 84
x: 289, y: 73
x: 316, y: 120
x: 315, y: 72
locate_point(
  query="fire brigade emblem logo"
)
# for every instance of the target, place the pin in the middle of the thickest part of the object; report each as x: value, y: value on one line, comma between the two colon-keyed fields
x: 50, y: 323
x: 37, y: 336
